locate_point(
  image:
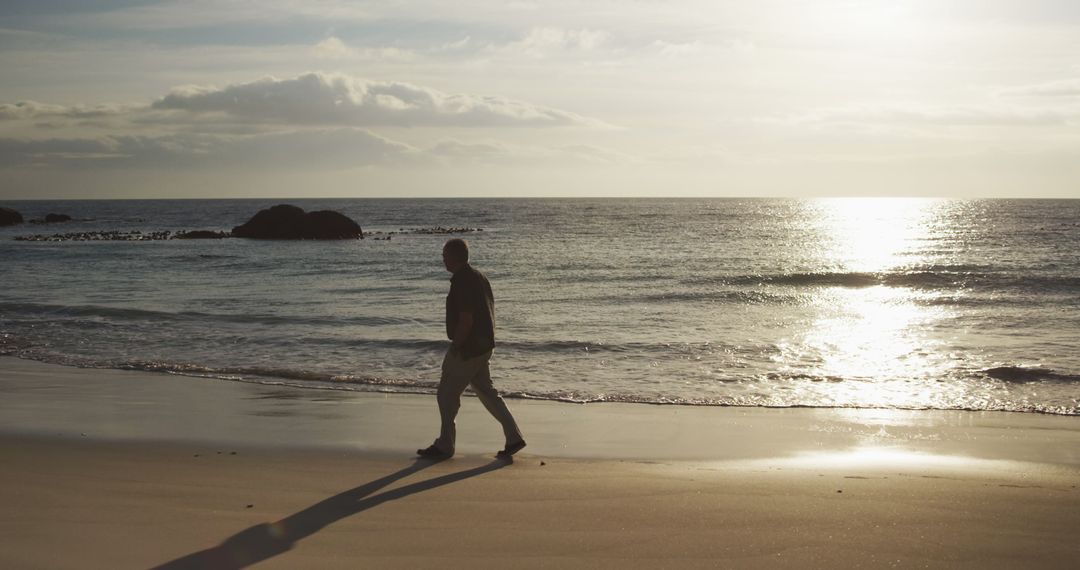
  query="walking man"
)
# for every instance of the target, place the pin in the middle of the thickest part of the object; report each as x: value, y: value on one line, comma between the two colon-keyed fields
x: 470, y: 325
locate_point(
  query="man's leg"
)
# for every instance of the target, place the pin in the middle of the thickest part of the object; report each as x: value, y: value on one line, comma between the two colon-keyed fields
x: 455, y: 378
x: 489, y: 396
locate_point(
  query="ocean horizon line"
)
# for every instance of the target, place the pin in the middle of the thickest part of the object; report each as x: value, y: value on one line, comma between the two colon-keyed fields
x: 549, y: 197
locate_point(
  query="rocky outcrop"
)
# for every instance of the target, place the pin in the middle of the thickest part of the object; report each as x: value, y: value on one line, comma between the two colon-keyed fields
x: 291, y: 222
x: 9, y: 217
x: 52, y: 219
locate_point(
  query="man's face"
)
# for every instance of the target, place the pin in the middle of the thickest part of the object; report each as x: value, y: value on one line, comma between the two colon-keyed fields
x: 448, y: 261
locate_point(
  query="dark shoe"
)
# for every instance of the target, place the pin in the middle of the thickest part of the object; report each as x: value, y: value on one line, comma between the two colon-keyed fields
x: 433, y: 453
x: 511, y: 449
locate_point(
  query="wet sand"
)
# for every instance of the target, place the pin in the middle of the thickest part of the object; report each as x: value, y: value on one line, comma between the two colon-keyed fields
x: 131, y: 469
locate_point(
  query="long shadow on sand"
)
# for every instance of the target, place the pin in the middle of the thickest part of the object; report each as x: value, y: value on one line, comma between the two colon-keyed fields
x: 267, y: 540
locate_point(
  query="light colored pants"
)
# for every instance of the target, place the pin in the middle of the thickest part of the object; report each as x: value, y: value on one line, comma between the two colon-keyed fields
x: 457, y: 374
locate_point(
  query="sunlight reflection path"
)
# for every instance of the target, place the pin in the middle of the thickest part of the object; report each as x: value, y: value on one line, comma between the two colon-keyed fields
x: 873, y: 235
x: 870, y: 342
x: 877, y: 458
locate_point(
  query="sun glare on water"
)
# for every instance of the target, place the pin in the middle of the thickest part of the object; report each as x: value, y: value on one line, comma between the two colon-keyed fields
x: 869, y: 330
x: 871, y: 235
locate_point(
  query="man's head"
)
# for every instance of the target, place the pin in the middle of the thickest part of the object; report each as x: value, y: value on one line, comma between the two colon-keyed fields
x: 455, y: 254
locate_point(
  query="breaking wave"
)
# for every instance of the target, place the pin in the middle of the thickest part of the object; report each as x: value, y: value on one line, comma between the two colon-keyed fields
x: 1028, y: 374
x: 322, y: 380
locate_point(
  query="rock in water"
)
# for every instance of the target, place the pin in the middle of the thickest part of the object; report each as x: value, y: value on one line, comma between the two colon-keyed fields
x: 9, y: 217
x: 328, y: 224
x: 279, y: 222
x: 201, y: 234
x: 285, y: 221
x: 54, y: 218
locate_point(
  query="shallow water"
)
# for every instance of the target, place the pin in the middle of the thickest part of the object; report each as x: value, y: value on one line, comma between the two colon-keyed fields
x: 945, y: 304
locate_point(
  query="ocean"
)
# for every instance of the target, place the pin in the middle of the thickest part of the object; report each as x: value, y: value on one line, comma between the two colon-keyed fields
x: 846, y: 302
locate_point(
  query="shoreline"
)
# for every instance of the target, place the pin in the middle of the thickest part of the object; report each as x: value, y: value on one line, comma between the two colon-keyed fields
x: 119, y: 405
x: 133, y: 469
x: 49, y: 400
x: 329, y: 384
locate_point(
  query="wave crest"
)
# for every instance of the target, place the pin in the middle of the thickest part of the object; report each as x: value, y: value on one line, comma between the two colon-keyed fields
x: 1028, y: 374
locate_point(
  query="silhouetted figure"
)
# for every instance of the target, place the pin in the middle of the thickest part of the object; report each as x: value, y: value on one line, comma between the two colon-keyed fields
x: 470, y: 325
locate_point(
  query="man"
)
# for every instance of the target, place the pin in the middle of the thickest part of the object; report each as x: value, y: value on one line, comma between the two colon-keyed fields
x: 470, y: 325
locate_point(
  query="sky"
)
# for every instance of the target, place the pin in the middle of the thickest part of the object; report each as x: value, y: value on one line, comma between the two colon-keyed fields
x: 283, y: 98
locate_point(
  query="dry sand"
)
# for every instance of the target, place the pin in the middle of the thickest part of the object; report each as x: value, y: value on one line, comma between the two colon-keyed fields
x: 107, y: 469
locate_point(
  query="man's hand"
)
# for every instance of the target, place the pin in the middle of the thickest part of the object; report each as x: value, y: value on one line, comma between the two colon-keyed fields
x: 461, y: 333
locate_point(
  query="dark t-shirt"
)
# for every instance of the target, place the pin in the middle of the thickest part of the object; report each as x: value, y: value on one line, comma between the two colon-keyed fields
x: 470, y: 292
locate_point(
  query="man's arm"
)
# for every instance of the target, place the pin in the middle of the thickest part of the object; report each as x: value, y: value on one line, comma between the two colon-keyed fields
x: 461, y: 332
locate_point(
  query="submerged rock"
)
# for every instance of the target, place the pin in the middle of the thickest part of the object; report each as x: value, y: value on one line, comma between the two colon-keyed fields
x: 9, y: 217
x: 134, y: 235
x: 438, y: 230
x: 285, y: 221
x: 201, y: 234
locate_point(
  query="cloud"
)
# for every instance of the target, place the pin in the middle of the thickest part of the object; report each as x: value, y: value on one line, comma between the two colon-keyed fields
x: 331, y: 48
x: 540, y: 42
x: 337, y: 99
x: 914, y: 115
x: 1041, y: 12
x: 341, y: 148
x: 678, y: 50
x: 458, y: 45
x: 1062, y: 88
x: 591, y: 153
x: 322, y: 149
x: 458, y: 149
x: 334, y: 48
x: 26, y: 152
x: 332, y: 147
x: 24, y: 110
x: 315, y: 120
x: 451, y: 151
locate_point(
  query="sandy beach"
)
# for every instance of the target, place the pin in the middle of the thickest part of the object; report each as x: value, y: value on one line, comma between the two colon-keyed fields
x: 115, y: 469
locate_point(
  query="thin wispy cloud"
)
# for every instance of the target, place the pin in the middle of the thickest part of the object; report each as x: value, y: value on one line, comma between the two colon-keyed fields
x: 922, y: 115
x: 1059, y: 88
x: 338, y: 148
x: 325, y: 98
x: 29, y: 110
x: 334, y: 49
